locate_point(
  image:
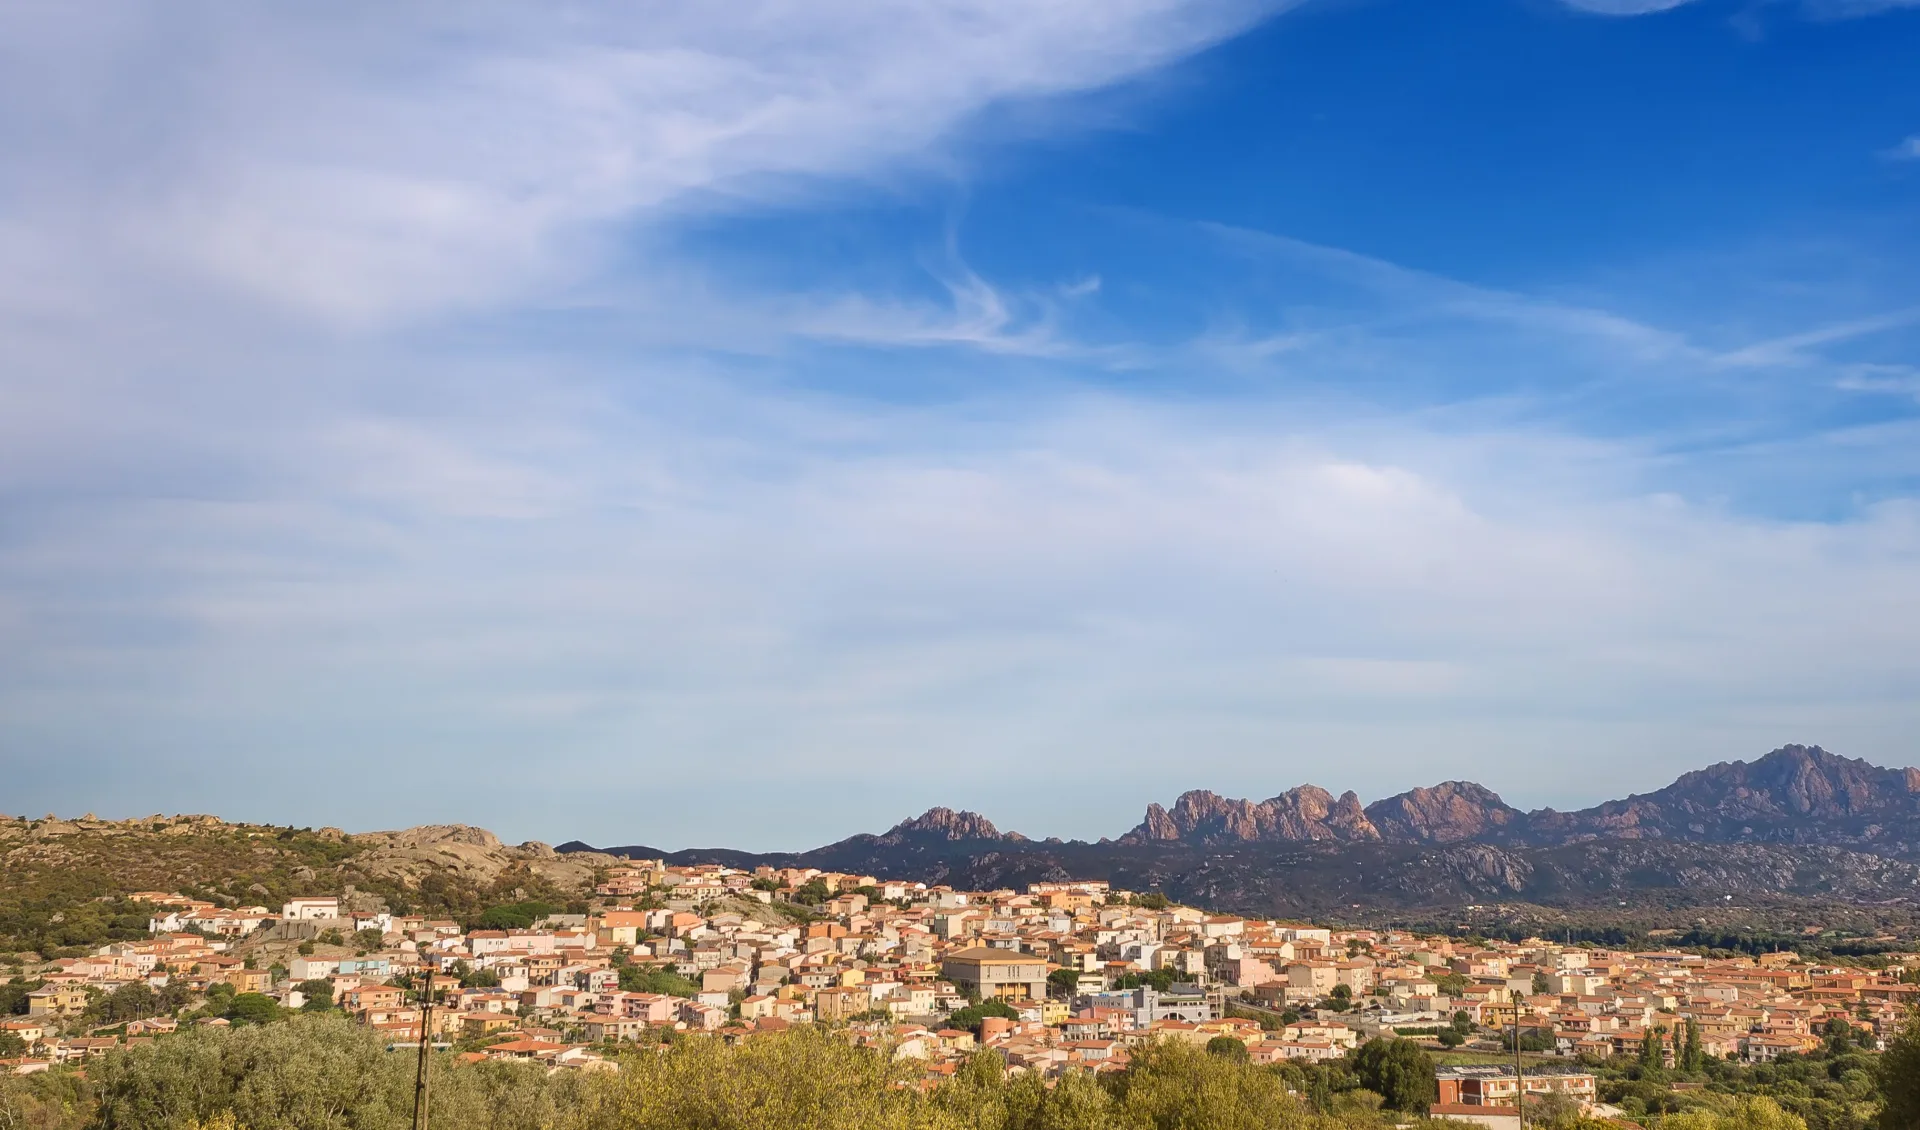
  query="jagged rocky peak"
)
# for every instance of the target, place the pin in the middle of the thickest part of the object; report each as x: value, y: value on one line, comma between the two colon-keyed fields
x: 1800, y: 794
x: 1449, y: 812
x: 946, y: 824
x: 1305, y: 813
x: 1797, y: 779
x: 1796, y: 793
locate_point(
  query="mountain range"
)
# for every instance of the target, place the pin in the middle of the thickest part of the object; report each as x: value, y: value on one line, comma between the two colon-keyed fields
x: 1796, y: 794
x: 1799, y: 822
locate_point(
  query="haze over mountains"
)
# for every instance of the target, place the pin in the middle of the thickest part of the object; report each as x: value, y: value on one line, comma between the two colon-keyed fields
x: 1799, y: 821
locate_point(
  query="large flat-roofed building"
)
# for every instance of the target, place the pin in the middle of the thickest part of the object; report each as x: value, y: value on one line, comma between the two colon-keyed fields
x: 1184, y: 1002
x: 1494, y: 1085
x: 1006, y: 974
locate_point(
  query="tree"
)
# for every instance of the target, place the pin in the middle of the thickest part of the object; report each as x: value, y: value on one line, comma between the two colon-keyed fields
x: 515, y: 916
x: 472, y: 978
x: 1555, y: 1110
x: 219, y: 996
x: 1462, y: 1022
x: 311, y: 1071
x: 656, y: 979
x: 1653, y: 1050
x: 806, y: 1079
x: 1158, y: 979
x: 13, y: 995
x: 1151, y: 900
x: 131, y: 1001
x: 1899, y: 1075
x: 1751, y: 1112
x: 319, y: 994
x: 1541, y: 984
x: 1693, y: 1054
x: 1062, y: 982
x: 1176, y: 1085
x: 172, y: 997
x: 1228, y: 1046
x: 1076, y: 1102
x: 368, y: 940
x: 11, y: 1045
x: 1320, y: 1090
x: 252, y: 1008
x: 1399, y: 1071
x: 973, y: 1017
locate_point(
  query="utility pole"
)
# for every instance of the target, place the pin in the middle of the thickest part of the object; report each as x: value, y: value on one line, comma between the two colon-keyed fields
x: 426, y: 1043
x: 1519, y: 1075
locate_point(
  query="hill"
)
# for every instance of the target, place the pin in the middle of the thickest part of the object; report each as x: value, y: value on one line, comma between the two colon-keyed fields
x: 64, y: 883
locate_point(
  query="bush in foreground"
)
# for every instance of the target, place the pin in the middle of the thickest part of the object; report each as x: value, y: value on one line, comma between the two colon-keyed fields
x: 319, y: 1072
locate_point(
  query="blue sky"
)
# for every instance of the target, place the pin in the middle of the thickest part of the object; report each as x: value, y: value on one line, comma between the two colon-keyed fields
x: 750, y: 424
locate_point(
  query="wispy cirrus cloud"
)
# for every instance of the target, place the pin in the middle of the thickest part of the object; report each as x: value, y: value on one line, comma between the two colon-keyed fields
x: 1624, y: 7
x: 384, y: 162
x: 1813, y: 9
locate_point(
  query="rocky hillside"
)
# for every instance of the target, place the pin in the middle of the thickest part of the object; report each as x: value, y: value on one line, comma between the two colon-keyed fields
x: 1308, y: 813
x: 1796, y: 794
x: 944, y: 824
x: 1374, y: 881
x: 1447, y: 813
x: 63, y: 883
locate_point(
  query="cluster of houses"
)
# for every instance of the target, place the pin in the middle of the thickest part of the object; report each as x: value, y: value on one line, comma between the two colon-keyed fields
x: 1086, y: 973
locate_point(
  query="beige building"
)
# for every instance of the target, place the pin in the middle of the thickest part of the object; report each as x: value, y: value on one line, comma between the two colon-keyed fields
x: 1008, y: 974
x: 841, y: 1003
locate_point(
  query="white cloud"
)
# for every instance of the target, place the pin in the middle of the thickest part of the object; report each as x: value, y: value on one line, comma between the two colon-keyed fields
x: 383, y: 161
x: 1908, y: 150
x: 1796, y: 349
x: 1624, y: 7
x: 689, y: 578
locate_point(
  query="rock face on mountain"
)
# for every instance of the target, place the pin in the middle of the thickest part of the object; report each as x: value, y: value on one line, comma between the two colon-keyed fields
x: 945, y: 824
x: 1796, y: 794
x: 1447, y: 813
x: 1306, y: 814
x: 411, y: 855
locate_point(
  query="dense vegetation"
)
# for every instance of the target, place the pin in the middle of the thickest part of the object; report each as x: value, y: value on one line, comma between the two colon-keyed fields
x: 1839, y: 1087
x: 656, y: 979
x: 321, y: 1073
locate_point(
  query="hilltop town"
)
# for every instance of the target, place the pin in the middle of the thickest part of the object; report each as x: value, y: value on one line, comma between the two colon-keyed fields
x: 1058, y: 977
